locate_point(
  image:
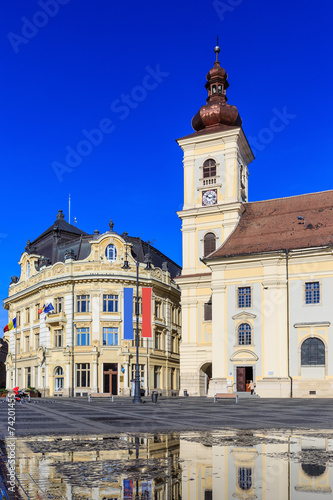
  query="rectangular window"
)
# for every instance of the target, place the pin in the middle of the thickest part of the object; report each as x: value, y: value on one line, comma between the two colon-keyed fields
x: 110, y: 303
x: 82, y: 375
x: 58, y: 338
x: 312, y: 293
x: 27, y: 343
x: 208, y: 310
x: 244, y: 297
x: 27, y: 315
x: 18, y: 319
x: 110, y: 336
x: 157, y: 309
x: 18, y: 346
x: 175, y: 344
x: 37, y: 315
x: 19, y: 377
x: 157, y: 377
x: 36, y: 341
x: 28, y: 376
x: 142, y: 374
x: 139, y: 304
x: 83, y: 336
x: 158, y: 341
x: 83, y: 303
x: 58, y: 305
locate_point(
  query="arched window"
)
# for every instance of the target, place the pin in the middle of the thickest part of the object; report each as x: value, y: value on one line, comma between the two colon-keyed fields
x: 313, y: 352
x: 209, y: 243
x: 58, y: 379
x: 245, y: 478
x: 209, y: 168
x: 28, y: 269
x: 111, y: 252
x: 244, y: 334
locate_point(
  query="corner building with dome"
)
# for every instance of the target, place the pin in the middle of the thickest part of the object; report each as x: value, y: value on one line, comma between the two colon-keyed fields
x: 257, y: 277
x: 79, y: 347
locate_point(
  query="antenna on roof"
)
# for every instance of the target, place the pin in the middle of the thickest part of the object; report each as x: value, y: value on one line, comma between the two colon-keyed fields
x: 69, y: 209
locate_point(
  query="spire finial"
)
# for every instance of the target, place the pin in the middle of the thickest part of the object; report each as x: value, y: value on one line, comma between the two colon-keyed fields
x: 217, y: 49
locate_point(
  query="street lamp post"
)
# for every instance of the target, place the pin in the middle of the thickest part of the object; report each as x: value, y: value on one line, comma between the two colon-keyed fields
x: 137, y: 395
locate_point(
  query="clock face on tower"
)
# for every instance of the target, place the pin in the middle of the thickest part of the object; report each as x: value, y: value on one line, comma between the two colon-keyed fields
x: 209, y: 197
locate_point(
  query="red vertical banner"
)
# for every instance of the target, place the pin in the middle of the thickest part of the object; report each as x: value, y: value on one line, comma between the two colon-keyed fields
x: 146, y: 312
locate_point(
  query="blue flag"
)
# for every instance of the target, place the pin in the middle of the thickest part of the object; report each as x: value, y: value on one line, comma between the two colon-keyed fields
x: 48, y: 308
x: 128, y: 314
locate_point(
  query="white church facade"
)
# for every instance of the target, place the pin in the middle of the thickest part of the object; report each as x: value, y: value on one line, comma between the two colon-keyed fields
x: 257, y: 278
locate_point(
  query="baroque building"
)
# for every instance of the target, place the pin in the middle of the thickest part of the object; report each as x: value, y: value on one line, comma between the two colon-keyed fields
x: 256, y: 276
x: 79, y: 347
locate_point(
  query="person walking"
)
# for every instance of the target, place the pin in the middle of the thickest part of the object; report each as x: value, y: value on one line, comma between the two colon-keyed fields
x: 251, y: 386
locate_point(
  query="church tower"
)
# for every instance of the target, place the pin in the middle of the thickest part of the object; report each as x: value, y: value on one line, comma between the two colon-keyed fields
x: 216, y: 159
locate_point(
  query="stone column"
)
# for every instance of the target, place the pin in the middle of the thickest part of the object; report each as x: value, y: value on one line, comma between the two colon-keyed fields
x: 94, y: 385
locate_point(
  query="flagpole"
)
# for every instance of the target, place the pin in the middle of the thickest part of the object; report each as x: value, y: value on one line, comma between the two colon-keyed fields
x: 137, y: 395
x: 15, y: 331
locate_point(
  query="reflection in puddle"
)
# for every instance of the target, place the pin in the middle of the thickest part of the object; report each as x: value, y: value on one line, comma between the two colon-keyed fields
x: 221, y: 465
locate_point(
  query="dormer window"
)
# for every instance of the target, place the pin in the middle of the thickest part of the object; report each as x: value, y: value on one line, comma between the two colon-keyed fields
x: 111, y: 253
x: 28, y: 269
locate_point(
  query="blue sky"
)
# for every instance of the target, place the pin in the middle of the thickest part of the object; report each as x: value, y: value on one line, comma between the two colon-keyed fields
x: 136, y: 71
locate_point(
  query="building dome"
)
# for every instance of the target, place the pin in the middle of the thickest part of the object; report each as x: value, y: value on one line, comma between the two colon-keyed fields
x: 216, y: 112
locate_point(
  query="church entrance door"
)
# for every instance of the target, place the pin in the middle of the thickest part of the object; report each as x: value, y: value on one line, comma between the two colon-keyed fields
x: 244, y: 376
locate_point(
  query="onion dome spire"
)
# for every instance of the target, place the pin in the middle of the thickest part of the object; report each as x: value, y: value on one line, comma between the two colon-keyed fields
x: 216, y: 112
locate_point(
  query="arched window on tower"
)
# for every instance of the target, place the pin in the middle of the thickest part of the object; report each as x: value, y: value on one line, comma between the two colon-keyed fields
x: 313, y: 352
x: 209, y: 172
x: 209, y: 243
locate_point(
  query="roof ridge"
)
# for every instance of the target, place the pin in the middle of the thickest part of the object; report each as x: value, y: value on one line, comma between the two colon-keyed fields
x: 288, y: 197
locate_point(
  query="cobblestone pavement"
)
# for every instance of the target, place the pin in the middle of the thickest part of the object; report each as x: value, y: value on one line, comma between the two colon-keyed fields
x: 65, y: 415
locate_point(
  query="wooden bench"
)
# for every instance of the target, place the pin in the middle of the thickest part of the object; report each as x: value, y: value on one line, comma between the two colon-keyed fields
x: 100, y: 395
x: 226, y: 396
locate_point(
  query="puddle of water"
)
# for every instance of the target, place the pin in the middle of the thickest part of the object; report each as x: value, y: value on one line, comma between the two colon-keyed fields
x: 274, y: 465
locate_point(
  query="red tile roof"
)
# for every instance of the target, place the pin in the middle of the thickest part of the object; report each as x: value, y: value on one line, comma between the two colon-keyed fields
x: 267, y: 226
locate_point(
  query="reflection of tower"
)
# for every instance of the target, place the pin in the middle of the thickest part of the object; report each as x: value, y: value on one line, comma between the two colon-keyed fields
x: 245, y: 465
x: 312, y: 474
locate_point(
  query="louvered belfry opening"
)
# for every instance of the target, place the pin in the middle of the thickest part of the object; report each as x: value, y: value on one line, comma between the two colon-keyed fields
x: 209, y: 243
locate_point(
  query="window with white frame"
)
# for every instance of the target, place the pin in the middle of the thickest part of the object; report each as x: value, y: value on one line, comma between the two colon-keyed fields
x: 209, y: 171
x: 111, y: 253
x: 157, y: 377
x: 313, y: 352
x: 83, y: 336
x: 244, y: 334
x: 141, y: 373
x: 83, y: 303
x: 58, y: 338
x: 58, y: 379
x: 244, y: 297
x: 58, y: 305
x: 110, y: 303
x: 312, y: 292
x: 83, y: 375
x: 28, y: 376
x: 110, y: 336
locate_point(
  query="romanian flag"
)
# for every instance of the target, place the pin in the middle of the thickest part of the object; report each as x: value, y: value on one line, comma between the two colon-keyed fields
x: 146, y: 312
x: 46, y: 309
x: 10, y: 326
